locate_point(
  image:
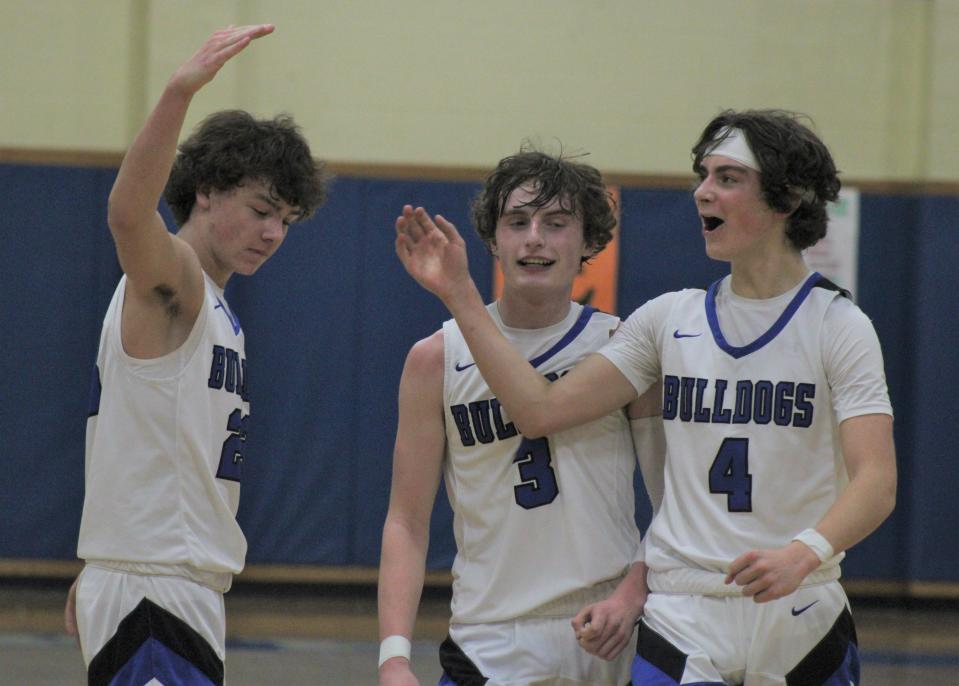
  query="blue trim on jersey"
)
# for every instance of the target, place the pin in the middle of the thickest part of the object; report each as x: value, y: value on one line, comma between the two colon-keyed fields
x: 234, y: 319
x: 778, y: 325
x: 568, y: 337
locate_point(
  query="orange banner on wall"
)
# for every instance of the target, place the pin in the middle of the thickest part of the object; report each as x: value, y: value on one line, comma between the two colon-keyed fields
x: 597, y: 282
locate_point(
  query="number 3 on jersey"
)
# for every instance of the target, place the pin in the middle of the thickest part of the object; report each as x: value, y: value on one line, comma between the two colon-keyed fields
x: 536, y: 472
x: 729, y: 474
x: 231, y: 456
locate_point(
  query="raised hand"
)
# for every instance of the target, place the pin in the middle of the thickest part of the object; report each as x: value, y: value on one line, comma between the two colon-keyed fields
x: 200, y: 69
x: 433, y: 253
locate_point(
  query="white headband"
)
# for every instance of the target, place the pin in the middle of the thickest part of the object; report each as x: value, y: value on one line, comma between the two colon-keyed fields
x: 734, y: 146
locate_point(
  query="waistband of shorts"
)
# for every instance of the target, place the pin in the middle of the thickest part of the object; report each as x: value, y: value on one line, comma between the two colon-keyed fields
x: 217, y: 581
x: 702, y: 582
x: 571, y: 603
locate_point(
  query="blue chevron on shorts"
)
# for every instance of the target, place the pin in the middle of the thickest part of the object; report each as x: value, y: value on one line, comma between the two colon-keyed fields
x: 153, y: 643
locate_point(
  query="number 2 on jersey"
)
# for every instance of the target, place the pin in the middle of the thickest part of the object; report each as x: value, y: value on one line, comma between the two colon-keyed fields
x: 729, y: 474
x: 535, y: 469
x: 231, y: 456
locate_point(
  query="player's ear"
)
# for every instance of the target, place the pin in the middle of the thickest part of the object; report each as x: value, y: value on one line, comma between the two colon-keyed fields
x: 203, y: 198
x: 588, y: 251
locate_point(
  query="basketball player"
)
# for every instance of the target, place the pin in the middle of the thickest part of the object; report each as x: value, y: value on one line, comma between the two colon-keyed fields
x: 778, y: 424
x: 542, y: 526
x: 169, y: 409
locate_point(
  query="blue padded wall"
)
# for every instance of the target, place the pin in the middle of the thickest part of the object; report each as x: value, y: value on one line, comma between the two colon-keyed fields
x: 329, y: 322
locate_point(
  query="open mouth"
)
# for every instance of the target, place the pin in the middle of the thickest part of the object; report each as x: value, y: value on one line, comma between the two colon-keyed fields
x: 712, y: 223
x: 536, y: 262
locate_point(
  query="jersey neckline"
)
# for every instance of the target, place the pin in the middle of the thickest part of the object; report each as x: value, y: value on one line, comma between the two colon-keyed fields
x: 771, y: 333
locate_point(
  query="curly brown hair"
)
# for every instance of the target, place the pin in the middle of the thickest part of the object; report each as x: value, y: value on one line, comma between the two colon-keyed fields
x: 798, y: 175
x: 230, y: 146
x: 578, y: 187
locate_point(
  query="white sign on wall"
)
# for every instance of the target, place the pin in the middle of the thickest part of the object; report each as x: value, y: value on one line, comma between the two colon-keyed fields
x: 837, y: 255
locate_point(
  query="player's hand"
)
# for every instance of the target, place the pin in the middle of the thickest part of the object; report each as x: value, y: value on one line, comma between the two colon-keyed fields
x: 432, y: 252
x: 396, y: 672
x: 605, y: 628
x: 770, y: 574
x: 200, y: 69
x: 70, y: 612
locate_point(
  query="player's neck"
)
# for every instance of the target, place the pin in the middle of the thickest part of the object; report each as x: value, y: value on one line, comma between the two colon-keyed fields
x: 769, y: 277
x: 528, y: 311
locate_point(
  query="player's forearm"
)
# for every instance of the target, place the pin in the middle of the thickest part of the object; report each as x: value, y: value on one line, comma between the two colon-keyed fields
x: 401, y: 576
x: 870, y: 456
x: 517, y: 386
x: 632, y: 590
x: 864, y: 504
x: 146, y: 165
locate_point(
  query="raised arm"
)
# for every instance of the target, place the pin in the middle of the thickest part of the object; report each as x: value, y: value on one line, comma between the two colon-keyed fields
x: 417, y: 459
x: 434, y: 254
x: 154, y: 260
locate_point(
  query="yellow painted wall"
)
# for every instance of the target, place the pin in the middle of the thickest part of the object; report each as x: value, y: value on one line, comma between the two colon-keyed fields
x: 462, y: 83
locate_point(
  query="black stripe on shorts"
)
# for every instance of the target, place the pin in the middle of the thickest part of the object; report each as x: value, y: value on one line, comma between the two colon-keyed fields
x: 828, y: 655
x: 457, y: 665
x: 660, y: 653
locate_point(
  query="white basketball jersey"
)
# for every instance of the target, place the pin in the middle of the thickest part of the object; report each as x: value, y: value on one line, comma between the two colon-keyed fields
x: 165, y: 441
x: 753, y: 454
x: 533, y: 519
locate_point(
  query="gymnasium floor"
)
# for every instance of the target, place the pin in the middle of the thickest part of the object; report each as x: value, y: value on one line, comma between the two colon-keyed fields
x: 326, y: 636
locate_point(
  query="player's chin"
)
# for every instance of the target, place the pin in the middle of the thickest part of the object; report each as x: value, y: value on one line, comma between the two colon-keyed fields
x: 252, y: 264
x: 714, y: 251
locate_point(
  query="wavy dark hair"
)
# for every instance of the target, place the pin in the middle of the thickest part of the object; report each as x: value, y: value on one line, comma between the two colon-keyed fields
x: 798, y: 175
x: 578, y: 187
x: 230, y: 146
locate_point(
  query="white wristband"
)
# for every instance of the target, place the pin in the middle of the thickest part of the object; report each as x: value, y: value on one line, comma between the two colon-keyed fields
x: 394, y: 646
x: 817, y: 542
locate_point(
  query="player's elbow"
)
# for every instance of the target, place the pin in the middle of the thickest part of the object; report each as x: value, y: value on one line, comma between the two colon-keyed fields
x: 406, y: 528
x: 534, y: 423
x: 887, y: 499
x: 883, y: 489
x: 122, y: 218
x: 118, y: 218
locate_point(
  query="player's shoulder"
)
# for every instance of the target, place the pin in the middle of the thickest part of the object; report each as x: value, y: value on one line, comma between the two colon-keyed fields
x: 670, y: 298
x: 603, y: 320
x: 424, y: 369
x: 427, y: 351
x: 842, y: 316
x: 659, y: 306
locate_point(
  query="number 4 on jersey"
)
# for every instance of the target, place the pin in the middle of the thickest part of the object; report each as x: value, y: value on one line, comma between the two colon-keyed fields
x: 729, y: 474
